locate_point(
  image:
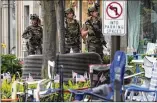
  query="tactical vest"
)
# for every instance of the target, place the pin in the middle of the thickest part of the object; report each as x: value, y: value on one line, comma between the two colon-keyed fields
x: 36, y: 35
x: 93, y: 35
x: 72, y: 32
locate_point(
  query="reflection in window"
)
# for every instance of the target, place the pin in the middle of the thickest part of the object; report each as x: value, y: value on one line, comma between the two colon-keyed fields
x: 148, y: 20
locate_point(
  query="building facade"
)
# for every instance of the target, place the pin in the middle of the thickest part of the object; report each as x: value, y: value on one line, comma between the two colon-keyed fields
x: 23, y: 11
x: 141, y: 22
x: 81, y: 9
x: 141, y: 18
x: 7, y: 27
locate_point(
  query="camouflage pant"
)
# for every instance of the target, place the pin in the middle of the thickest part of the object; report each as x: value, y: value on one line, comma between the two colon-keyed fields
x: 34, y: 49
x: 75, y: 48
x: 97, y: 48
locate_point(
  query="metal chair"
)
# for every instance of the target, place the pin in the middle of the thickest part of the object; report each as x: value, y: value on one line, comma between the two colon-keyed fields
x: 117, y: 70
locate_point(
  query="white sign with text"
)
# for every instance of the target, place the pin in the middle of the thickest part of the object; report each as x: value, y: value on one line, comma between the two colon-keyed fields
x: 115, y: 18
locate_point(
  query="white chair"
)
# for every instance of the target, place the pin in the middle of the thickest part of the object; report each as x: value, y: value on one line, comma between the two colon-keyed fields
x: 40, y: 91
x: 145, y: 93
x: 150, y: 48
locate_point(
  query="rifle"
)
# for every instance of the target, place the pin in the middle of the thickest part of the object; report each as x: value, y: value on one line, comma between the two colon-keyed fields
x: 27, y: 33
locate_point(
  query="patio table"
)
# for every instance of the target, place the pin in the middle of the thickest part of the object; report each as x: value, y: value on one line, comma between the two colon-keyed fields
x: 141, y: 61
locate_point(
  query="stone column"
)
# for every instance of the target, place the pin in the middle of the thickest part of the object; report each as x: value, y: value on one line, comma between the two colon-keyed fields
x: 5, y: 26
x: 12, y: 26
x: 0, y: 34
x: 18, y: 19
x: 0, y: 28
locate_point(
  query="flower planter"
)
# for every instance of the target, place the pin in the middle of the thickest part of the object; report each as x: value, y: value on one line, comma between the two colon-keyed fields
x: 9, y: 100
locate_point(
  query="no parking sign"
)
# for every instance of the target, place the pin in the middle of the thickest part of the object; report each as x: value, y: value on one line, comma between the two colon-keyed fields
x: 115, y: 17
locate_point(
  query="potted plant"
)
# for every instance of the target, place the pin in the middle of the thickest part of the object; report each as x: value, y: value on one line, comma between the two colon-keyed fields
x: 11, y: 64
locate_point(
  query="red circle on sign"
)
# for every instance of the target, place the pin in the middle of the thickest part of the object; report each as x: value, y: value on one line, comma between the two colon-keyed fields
x: 109, y: 6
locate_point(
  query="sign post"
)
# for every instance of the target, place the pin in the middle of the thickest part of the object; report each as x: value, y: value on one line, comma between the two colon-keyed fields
x: 115, y: 22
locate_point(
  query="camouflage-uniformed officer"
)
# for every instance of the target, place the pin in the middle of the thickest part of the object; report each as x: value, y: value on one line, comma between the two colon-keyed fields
x: 72, y: 32
x: 34, y: 36
x: 92, y: 30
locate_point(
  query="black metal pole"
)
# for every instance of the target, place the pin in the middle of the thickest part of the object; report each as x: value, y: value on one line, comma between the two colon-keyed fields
x: 127, y: 20
x: 80, y: 13
x: 80, y: 16
x: 9, y: 26
x: 63, y: 4
x: 91, y: 80
x: 117, y: 87
x: 25, y: 84
x: 115, y: 45
x: 61, y: 83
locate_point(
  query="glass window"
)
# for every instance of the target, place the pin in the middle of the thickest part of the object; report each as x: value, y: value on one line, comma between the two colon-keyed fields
x: 148, y: 24
x: 142, y: 24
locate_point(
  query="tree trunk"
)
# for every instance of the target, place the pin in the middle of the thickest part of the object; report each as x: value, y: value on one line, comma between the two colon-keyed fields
x: 60, y: 25
x: 49, y: 33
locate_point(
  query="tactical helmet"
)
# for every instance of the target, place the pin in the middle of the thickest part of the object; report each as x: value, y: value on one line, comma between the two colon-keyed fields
x: 94, y: 8
x: 91, y: 9
x: 34, y: 16
x: 69, y: 10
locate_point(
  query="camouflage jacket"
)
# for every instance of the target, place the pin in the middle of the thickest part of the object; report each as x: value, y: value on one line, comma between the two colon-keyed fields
x: 34, y: 35
x: 72, y: 32
x: 95, y: 31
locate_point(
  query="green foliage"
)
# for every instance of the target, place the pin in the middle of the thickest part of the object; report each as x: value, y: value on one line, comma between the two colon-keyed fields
x: 144, y: 55
x: 6, y: 89
x: 10, y: 63
x: 72, y: 85
x: 141, y: 42
x: 69, y: 85
x: 130, y: 58
x: 85, y: 50
x: 106, y: 59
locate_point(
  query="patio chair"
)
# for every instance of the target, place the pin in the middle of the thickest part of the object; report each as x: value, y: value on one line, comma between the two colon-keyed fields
x: 150, y: 48
x: 145, y: 93
x: 147, y: 66
x: 99, y: 74
x: 40, y: 92
x: 117, y: 70
x: 144, y: 81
